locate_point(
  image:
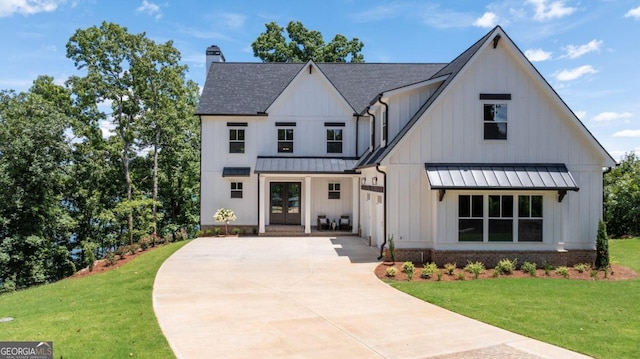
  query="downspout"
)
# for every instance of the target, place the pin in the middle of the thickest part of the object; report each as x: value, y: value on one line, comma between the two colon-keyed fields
x: 200, y: 117
x: 386, y: 121
x: 258, y: 204
x: 384, y: 194
x: 357, y: 119
x: 373, y: 132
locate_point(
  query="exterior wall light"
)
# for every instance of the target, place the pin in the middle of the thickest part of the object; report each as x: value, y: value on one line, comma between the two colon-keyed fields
x: 363, y: 180
x: 374, y: 180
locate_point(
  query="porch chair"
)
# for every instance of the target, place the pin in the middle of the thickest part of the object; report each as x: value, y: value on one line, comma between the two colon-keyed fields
x: 345, y: 223
x: 323, y: 222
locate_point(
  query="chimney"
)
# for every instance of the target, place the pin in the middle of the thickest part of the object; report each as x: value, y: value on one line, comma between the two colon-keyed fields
x: 214, y: 55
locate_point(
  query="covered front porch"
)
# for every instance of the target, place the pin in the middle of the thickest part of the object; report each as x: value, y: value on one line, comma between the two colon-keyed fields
x: 296, y: 192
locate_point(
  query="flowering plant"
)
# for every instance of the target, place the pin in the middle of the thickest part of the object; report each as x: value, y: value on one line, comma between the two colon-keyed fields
x: 225, y: 216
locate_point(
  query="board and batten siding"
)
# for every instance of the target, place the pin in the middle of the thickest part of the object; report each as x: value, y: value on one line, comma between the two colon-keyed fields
x: 539, y: 131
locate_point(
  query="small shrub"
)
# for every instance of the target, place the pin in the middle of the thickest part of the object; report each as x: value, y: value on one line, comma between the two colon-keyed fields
x: 461, y: 275
x: 563, y: 271
x: 181, y: 235
x: 507, y: 266
x: 439, y: 275
x: 594, y: 274
x: 146, y: 242
x: 496, y: 273
x: 409, y: 269
x: 602, y: 247
x: 476, y: 268
x: 548, y: 268
x: 110, y: 258
x: 530, y: 268
x: 391, y: 272
x: 392, y: 249
x: 582, y: 267
x: 208, y: 232
x: 88, y: 254
x: 121, y: 251
x: 428, y: 270
x: 133, y: 248
x: 236, y: 230
x: 449, y: 268
x: 217, y: 231
x: 9, y: 284
x: 255, y: 230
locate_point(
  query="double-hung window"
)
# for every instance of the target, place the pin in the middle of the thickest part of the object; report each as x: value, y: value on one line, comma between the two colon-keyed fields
x: 494, y: 115
x: 334, y: 190
x: 236, y: 189
x: 236, y: 136
x: 529, y: 218
x: 500, y: 218
x: 470, y: 218
x: 334, y: 140
x: 285, y: 140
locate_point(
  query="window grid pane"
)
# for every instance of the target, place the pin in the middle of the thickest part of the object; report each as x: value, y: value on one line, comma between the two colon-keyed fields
x: 334, y: 191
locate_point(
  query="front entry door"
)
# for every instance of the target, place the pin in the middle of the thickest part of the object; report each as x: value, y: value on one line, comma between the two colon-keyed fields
x: 285, y: 203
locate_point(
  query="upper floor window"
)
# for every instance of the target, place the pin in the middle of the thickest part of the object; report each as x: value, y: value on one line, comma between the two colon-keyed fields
x: 334, y: 140
x: 236, y: 140
x: 495, y: 121
x: 285, y: 140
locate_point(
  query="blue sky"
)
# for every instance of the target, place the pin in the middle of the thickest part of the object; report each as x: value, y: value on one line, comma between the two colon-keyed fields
x: 587, y: 50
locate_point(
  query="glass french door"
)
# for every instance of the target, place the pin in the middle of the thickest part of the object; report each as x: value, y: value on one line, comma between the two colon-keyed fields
x: 285, y: 203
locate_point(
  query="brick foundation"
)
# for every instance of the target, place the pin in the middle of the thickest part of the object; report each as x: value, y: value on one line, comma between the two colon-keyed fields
x: 491, y: 258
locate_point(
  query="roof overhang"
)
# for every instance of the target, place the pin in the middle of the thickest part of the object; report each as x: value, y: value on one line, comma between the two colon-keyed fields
x: 236, y: 172
x: 496, y: 177
x: 305, y: 165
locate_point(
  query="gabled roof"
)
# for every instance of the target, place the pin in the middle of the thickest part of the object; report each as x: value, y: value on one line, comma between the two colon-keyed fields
x: 250, y: 88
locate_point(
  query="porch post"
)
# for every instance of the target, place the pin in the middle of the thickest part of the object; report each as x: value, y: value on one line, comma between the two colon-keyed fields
x: 355, y: 205
x: 307, y: 204
x: 261, y: 202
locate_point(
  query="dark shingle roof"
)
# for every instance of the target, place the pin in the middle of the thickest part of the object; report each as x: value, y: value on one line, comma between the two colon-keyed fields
x: 250, y: 88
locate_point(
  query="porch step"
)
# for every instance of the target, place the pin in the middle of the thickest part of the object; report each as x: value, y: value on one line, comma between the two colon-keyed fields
x: 298, y: 231
x: 277, y: 228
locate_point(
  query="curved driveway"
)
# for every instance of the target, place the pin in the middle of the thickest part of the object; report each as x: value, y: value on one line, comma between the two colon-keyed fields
x: 310, y: 297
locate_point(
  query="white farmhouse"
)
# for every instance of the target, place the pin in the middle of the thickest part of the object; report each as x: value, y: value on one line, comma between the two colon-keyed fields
x: 477, y: 159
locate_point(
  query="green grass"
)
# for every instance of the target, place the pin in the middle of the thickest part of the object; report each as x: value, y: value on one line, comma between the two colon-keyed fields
x: 108, y: 315
x: 597, y: 318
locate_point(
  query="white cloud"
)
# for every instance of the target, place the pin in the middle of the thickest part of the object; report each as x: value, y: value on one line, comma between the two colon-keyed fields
x: 627, y: 133
x: 634, y: 13
x: 546, y: 10
x: 233, y: 21
x: 107, y: 128
x: 611, y: 116
x: 575, y: 51
x: 487, y: 20
x: 572, y: 74
x: 536, y: 55
x: 150, y: 9
x: 28, y: 7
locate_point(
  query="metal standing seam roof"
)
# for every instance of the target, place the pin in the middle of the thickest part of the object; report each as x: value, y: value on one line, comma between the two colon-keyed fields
x: 304, y: 165
x: 500, y: 176
x: 236, y: 171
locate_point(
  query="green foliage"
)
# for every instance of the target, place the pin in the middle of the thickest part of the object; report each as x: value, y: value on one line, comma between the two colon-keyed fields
x: 236, y: 231
x: 449, y: 268
x: 461, y: 276
x: 391, y: 272
x: 409, y: 269
x: 428, y: 270
x: 304, y: 45
x: 110, y: 257
x: 392, y: 248
x: 596, y: 318
x: 530, y: 268
x: 507, y: 266
x: 563, y: 271
x: 476, y: 268
x: 548, y: 268
x: 224, y: 215
x: 622, y: 197
x: 217, y: 231
x: 582, y: 267
x: 602, y: 247
x: 89, y: 254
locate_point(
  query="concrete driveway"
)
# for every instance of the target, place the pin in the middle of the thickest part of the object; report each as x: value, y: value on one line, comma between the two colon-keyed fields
x: 310, y: 297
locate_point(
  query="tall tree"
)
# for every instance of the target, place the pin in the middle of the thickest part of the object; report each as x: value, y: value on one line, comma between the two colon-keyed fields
x: 35, y: 225
x: 622, y: 197
x: 304, y: 45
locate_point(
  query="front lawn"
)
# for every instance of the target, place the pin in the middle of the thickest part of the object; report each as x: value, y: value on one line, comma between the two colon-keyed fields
x: 596, y: 318
x: 108, y: 315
